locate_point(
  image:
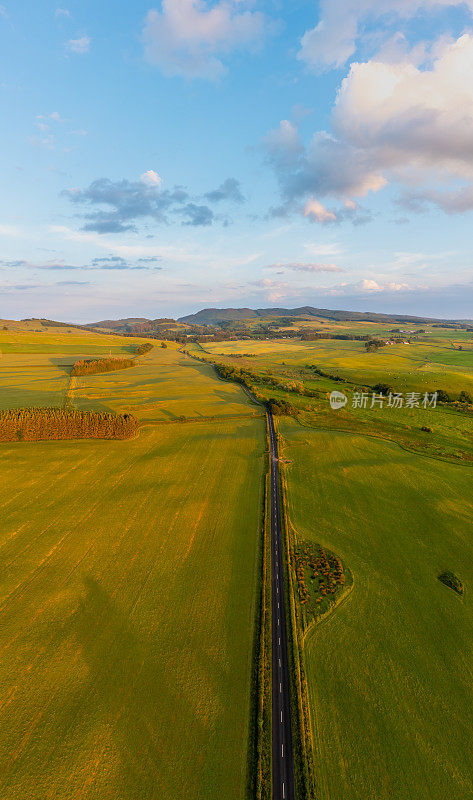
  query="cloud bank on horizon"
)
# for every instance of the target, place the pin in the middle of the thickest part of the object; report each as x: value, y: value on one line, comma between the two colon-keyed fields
x: 239, y: 151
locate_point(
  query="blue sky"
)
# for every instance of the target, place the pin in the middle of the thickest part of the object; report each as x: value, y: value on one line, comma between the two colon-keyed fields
x: 156, y: 159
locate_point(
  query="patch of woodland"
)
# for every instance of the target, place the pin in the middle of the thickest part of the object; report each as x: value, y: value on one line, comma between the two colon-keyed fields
x: 95, y: 366
x: 321, y: 579
x: 35, y: 424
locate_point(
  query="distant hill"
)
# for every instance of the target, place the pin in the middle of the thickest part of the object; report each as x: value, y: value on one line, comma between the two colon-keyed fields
x: 116, y: 323
x: 213, y: 316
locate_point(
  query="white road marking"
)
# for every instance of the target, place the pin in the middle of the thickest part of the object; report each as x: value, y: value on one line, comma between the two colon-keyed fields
x: 283, y: 791
x: 281, y: 716
x: 282, y: 751
x: 280, y: 688
x: 279, y: 640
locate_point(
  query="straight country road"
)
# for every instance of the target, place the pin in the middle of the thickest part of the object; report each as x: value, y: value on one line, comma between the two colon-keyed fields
x: 283, y: 761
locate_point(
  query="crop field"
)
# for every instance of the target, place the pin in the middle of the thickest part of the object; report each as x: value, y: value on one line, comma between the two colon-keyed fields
x: 390, y: 670
x: 403, y: 367
x: 129, y: 581
x: 419, y: 366
x: 129, y: 575
x: 165, y: 385
x: 35, y: 367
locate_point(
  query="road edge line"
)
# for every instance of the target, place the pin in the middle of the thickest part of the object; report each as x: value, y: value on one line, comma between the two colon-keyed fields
x: 302, y: 730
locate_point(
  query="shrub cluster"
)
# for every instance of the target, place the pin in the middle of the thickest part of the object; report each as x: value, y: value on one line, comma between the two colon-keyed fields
x: 249, y: 379
x: 451, y: 580
x: 143, y: 348
x: 280, y: 407
x: 312, y: 336
x: 324, y: 374
x: 374, y: 344
x: 326, y: 573
x: 33, y: 424
x: 94, y: 366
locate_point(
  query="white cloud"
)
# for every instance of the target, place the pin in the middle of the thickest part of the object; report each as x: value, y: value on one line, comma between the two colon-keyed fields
x: 453, y: 201
x: 366, y: 286
x: 188, y: 37
x: 319, y: 266
x: 62, y: 12
x: 9, y: 230
x: 393, y: 121
x: 342, y: 22
x: 283, y: 144
x: 317, y: 212
x: 323, y: 248
x: 275, y: 290
x: 407, y: 118
x: 80, y: 45
x: 151, y: 178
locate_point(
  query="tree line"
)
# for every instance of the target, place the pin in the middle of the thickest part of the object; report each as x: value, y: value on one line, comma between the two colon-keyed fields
x: 94, y: 366
x: 33, y: 424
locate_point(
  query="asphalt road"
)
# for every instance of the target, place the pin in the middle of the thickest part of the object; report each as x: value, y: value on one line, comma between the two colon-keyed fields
x: 283, y: 761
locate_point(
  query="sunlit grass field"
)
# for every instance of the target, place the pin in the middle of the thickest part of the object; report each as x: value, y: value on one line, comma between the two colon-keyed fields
x: 127, y: 604
x: 390, y: 670
x: 129, y: 579
x: 165, y: 385
x: 35, y: 367
x: 405, y: 368
x: 130, y: 570
x: 419, y: 366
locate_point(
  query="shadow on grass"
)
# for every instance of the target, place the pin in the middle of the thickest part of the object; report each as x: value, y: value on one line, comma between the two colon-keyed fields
x: 132, y: 697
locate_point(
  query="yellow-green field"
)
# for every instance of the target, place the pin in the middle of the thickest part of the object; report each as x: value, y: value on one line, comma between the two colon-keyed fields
x: 129, y: 580
x: 130, y: 568
x: 427, y: 364
x: 164, y: 386
x: 390, y: 670
x: 404, y: 368
x: 128, y: 602
x: 35, y: 367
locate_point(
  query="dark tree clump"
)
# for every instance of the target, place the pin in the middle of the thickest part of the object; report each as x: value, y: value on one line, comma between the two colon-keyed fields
x: 34, y: 424
x: 451, y: 580
x: 98, y: 365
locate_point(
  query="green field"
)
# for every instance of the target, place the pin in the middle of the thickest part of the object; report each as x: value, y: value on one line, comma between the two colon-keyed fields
x: 164, y: 386
x: 128, y: 603
x: 427, y: 364
x: 404, y: 368
x: 130, y: 569
x: 35, y: 367
x: 129, y: 580
x: 389, y: 670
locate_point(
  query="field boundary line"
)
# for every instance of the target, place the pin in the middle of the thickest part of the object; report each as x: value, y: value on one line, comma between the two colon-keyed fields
x: 453, y: 462
x: 303, y: 750
x: 68, y: 403
x: 260, y: 778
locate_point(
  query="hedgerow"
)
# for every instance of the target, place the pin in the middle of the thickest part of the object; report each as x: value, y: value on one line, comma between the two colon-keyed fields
x: 96, y: 365
x: 33, y: 424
